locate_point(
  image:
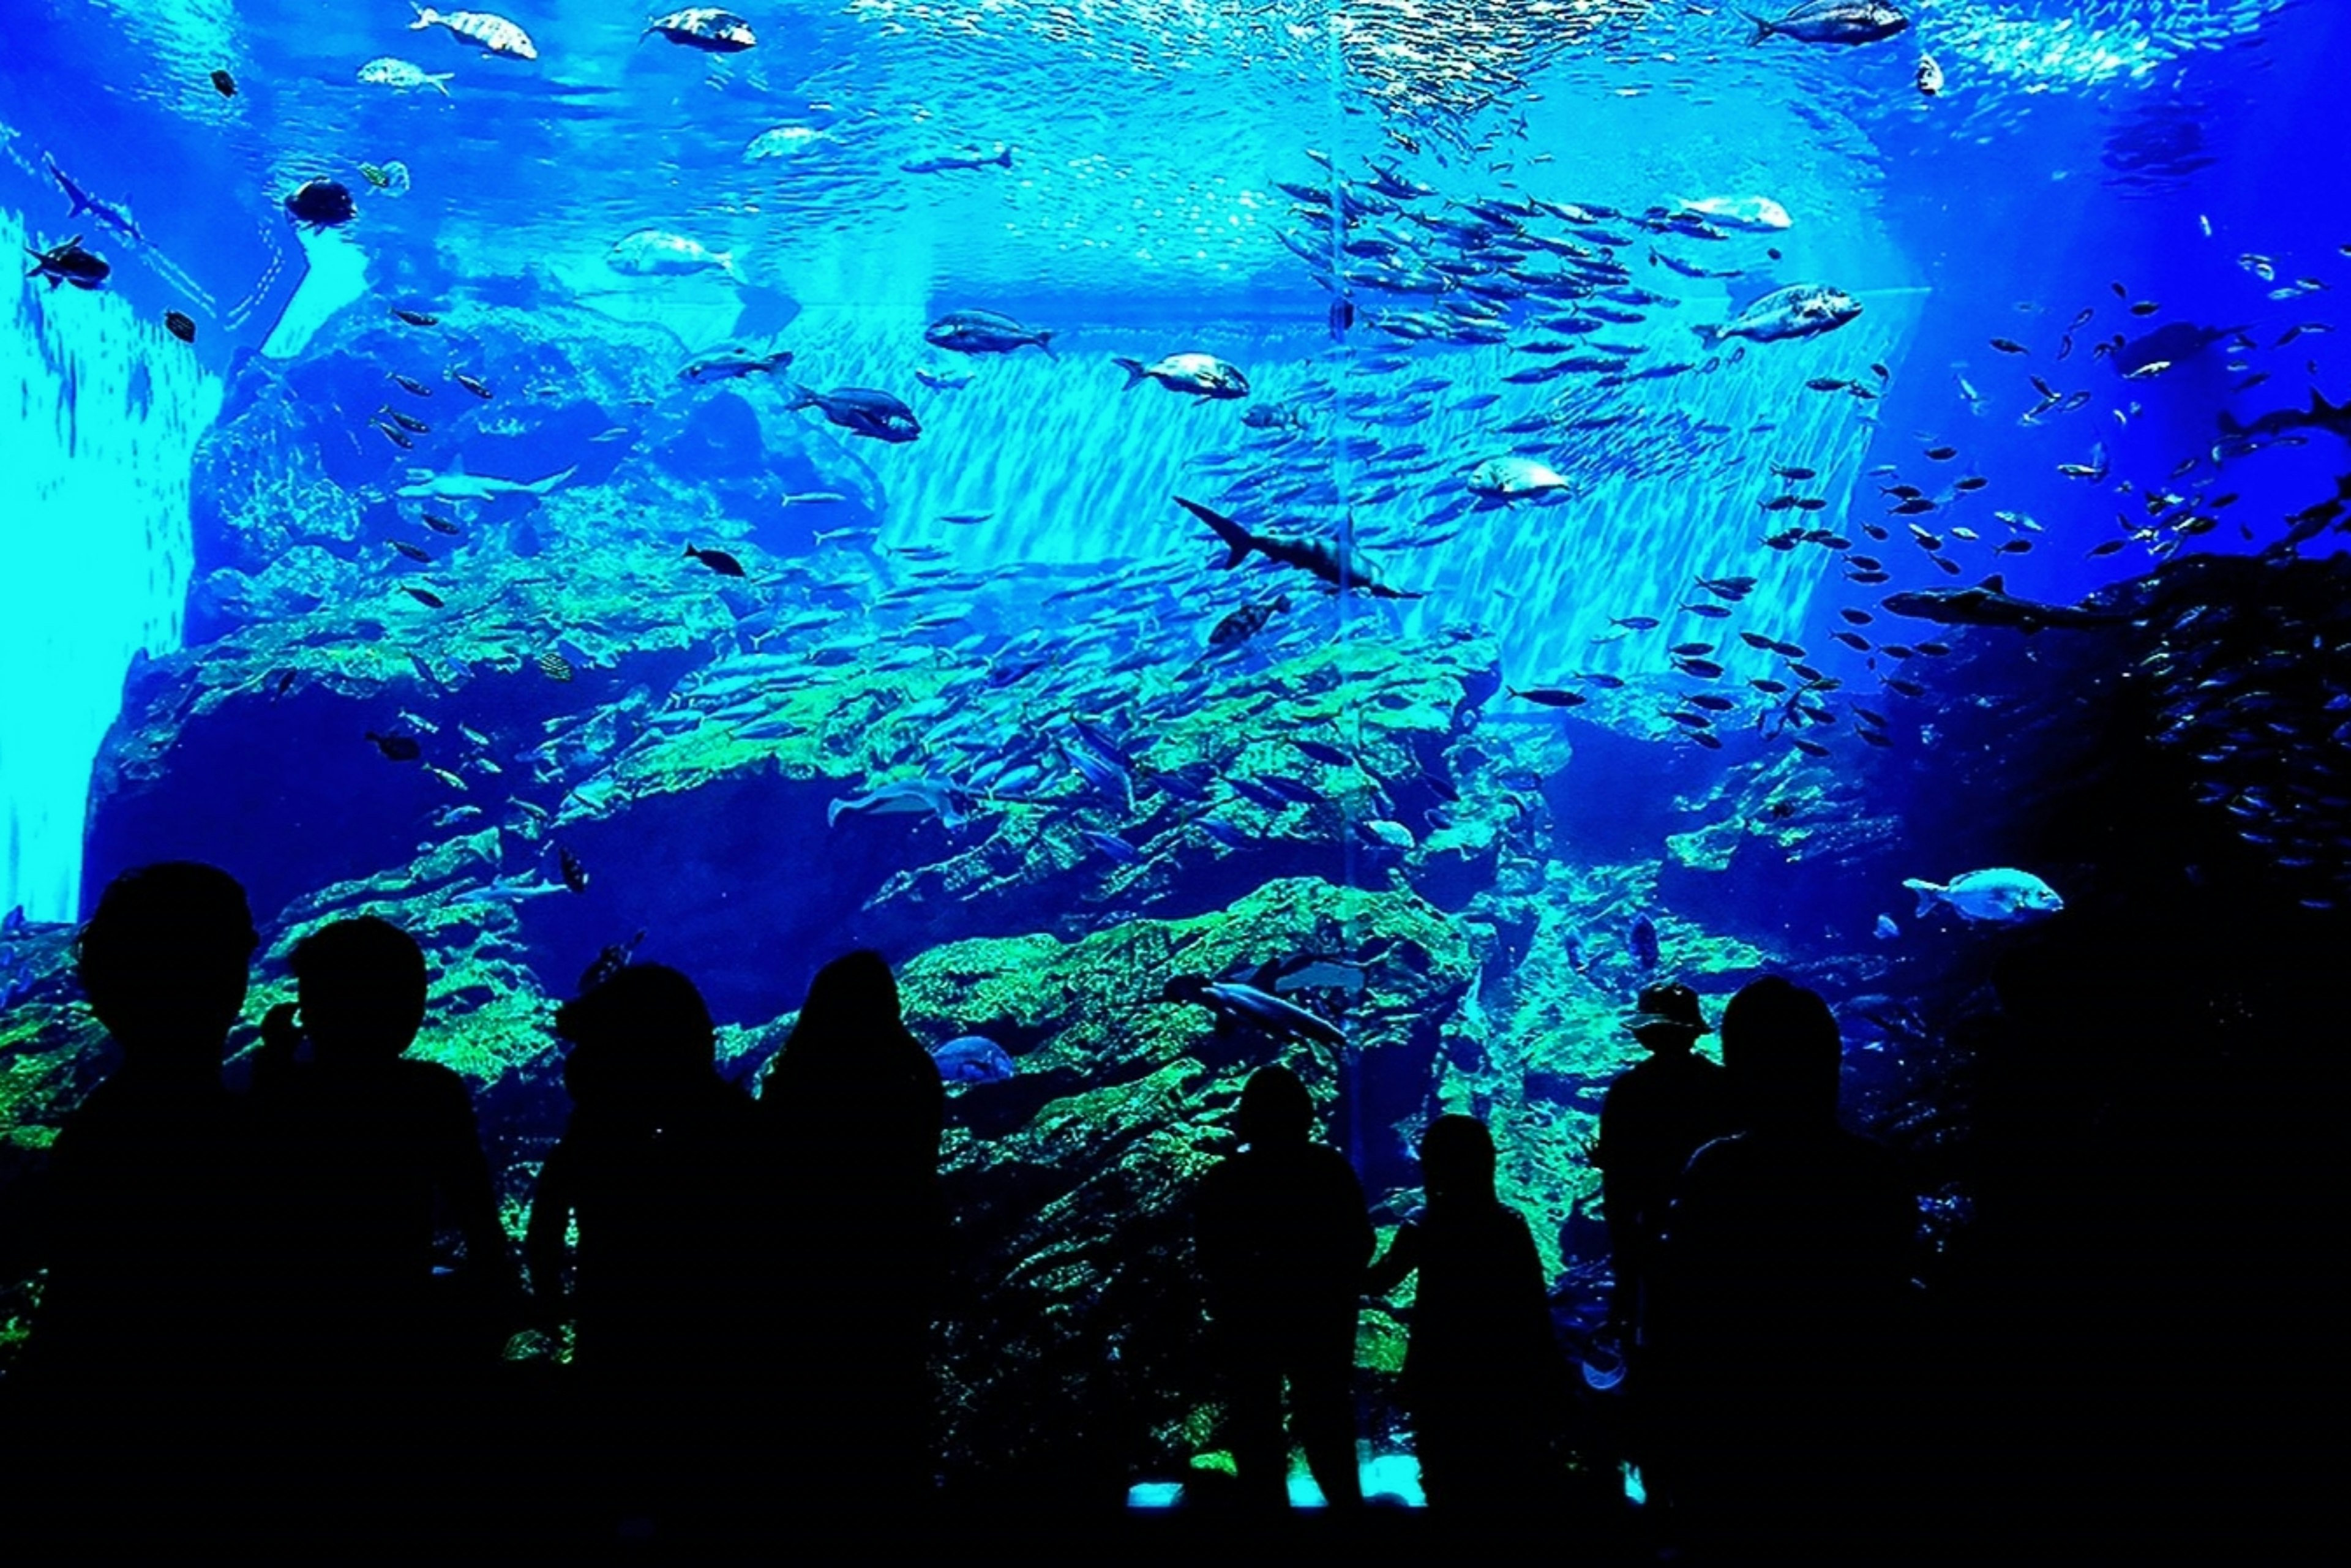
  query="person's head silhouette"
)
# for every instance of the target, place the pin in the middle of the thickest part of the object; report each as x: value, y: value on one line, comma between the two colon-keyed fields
x: 855, y: 991
x: 1668, y: 1021
x: 647, y: 1025
x: 1275, y: 1109
x: 166, y: 958
x: 363, y: 987
x: 1456, y: 1161
x: 1781, y: 1046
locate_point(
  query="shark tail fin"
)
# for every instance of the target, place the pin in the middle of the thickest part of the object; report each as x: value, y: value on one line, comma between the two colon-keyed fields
x: 833, y: 810
x: 803, y: 396
x: 2231, y: 426
x: 1003, y: 158
x: 1763, y: 29
x: 1930, y: 894
x: 1236, y: 538
x: 1045, y: 341
x: 440, y: 80
x: 541, y: 487
x: 425, y: 15
x: 1709, y: 336
x: 1133, y: 369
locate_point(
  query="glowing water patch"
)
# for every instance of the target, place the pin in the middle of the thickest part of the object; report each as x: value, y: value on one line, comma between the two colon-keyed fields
x: 336, y: 278
x: 2087, y: 46
x: 95, y: 457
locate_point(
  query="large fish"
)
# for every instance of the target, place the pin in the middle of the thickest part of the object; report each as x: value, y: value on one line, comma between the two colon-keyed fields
x: 985, y: 332
x: 2000, y: 895
x: 1326, y: 559
x: 861, y: 412
x: 1799, y: 310
x: 656, y: 253
x: 459, y: 485
x: 705, y: 27
x: 1237, y: 1003
x: 909, y: 798
x: 1201, y: 375
x: 493, y: 34
x: 1990, y: 604
x: 1832, y: 22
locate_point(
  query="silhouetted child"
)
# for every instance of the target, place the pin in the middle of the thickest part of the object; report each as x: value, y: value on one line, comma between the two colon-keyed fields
x: 1783, y: 1297
x: 380, y: 1155
x: 855, y: 1108
x: 1483, y: 1378
x: 1654, y: 1117
x: 1283, y: 1241
x: 134, y: 1370
x: 661, y: 1170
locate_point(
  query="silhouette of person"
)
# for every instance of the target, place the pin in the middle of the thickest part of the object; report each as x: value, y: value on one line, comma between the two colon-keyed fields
x: 1782, y: 1294
x: 379, y: 1152
x: 1283, y: 1239
x: 1654, y: 1117
x: 1483, y: 1377
x: 660, y: 1169
x: 133, y: 1367
x: 855, y: 1109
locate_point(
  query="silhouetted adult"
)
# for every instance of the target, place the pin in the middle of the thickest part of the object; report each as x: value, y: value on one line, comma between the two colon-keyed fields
x: 855, y: 1108
x: 1283, y: 1241
x: 661, y: 1169
x: 134, y: 1367
x: 1483, y: 1377
x: 1782, y: 1304
x: 1654, y: 1117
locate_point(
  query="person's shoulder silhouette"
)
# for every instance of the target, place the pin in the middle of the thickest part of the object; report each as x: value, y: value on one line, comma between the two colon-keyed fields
x: 850, y: 1081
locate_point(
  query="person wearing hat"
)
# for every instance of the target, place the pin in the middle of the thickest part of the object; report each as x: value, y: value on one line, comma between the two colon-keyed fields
x: 1656, y: 1115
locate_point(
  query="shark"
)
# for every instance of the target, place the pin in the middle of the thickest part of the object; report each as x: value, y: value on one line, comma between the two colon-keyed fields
x: 1989, y: 603
x: 1331, y: 562
x: 2333, y: 417
x: 424, y: 485
x: 107, y: 213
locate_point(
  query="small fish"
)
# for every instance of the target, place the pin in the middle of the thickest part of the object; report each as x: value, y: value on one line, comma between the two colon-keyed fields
x: 1550, y: 696
x: 1887, y: 930
x: 480, y: 389
x: 555, y: 666
x: 1636, y: 623
x: 1710, y: 611
x: 394, y: 433
x: 439, y: 524
x: 180, y: 324
x: 575, y: 875
x: 397, y: 748
x: 2009, y: 346
x: 1942, y: 453
x: 406, y: 422
x: 224, y: 84
x: 427, y: 597
x: 411, y: 385
x: 718, y: 560
x: 409, y: 550
x: 1929, y: 76
x: 415, y: 318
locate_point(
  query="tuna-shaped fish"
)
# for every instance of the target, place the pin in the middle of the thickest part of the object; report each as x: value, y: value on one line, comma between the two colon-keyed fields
x: 404, y: 74
x: 459, y: 485
x: 1201, y: 375
x: 703, y: 28
x: 1243, y: 1004
x: 985, y: 332
x: 493, y: 34
x: 1757, y: 214
x: 1998, y: 896
x: 973, y: 1059
x: 656, y: 253
x: 729, y: 360
x: 1799, y: 310
x: 1328, y: 559
x: 1832, y: 22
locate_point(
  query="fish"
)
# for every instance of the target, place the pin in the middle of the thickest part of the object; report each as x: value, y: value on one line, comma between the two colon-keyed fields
x: 1112, y: 845
x: 1242, y: 1004
x: 404, y: 76
x: 985, y: 332
x: 1641, y: 938
x: 731, y: 359
x: 397, y: 748
x: 479, y: 388
x: 656, y: 253
x: 1990, y: 604
x: 493, y: 34
x: 575, y: 875
x: 968, y: 158
x: 391, y: 178
x: 926, y: 797
x: 1201, y: 375
x: 69, y: 263
x: 1799, y: 310
x: 703, y: 28
x: 321, y: 204
x: 718, y: 560
x: 2332, y: 417
x: 1758, y: 214
x: 109, y: 214
x: 972, y: 1059
x: 1849, y: 22
x: 1513, y: 478
x: 1548, y: 696
x: 2000, y: 895
x: 944, y: 379
x: 554, y: 666
x: 459, y: 485
x: 393, y: 433
x: 415, y: 318
x: 782, y: 141
x: 1331, y: 562
x: 407, y: 422
x: 409, y: 550
x: 180, y: 324
x: 610, y: 961
x: 1929, y: 76
x: 1246, y: 621
x: 426, y: 596
x: 861, y: 411
x: 224, y: 84
x: 440, y: 525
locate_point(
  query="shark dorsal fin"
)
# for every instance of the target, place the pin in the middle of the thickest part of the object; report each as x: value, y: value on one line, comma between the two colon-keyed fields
x: 1996, y: 584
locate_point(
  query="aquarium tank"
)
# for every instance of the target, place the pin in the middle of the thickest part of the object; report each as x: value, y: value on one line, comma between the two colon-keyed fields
x: 1353, y: 533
